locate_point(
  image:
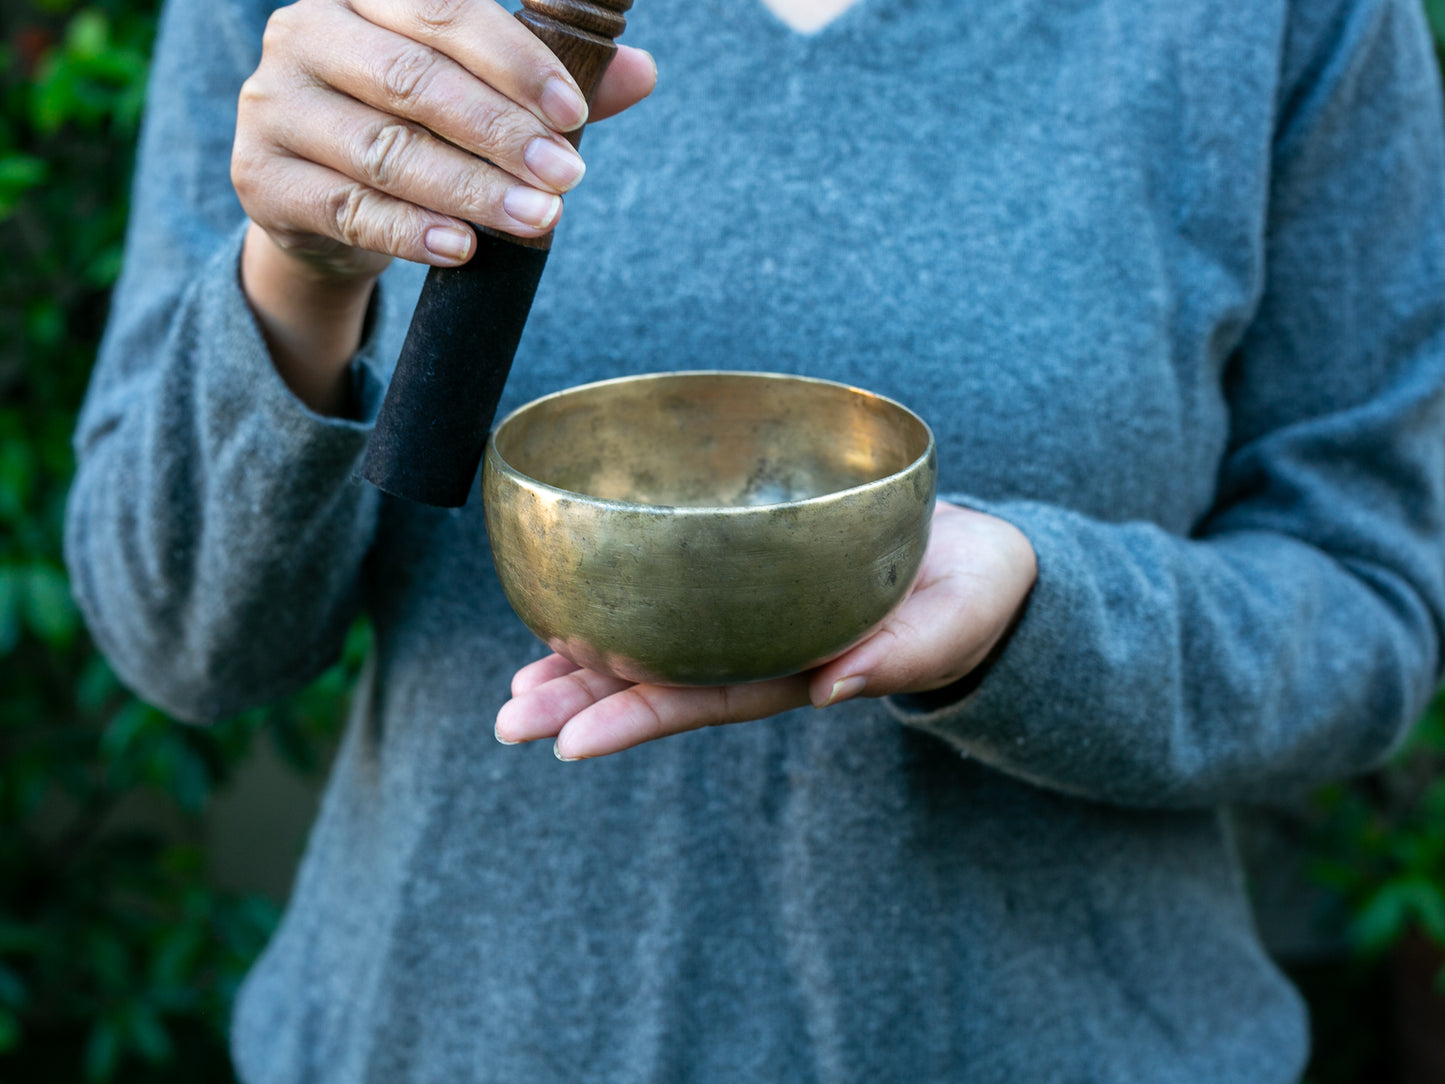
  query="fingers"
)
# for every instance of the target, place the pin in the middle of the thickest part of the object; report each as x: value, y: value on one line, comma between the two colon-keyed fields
x: 421, y: 116
x: 645, y: 713
x: 542, y: 710
x: 541, y: 672
x: 910, y: 652
x: 493, y: 46
x: 976, y: 575
x: 591, y: 715
x: 334, y: 220
x: 405, y: 78
x: 630, y: 77
x: 430, y: 181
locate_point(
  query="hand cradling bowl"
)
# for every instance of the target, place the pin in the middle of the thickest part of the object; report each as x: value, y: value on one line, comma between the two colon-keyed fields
x: 710, y: 527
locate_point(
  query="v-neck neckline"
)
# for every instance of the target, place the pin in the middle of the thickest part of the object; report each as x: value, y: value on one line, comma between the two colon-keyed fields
x: 818, y: 31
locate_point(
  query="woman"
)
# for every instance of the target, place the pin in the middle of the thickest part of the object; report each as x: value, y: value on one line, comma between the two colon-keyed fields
x: 1167, y: 286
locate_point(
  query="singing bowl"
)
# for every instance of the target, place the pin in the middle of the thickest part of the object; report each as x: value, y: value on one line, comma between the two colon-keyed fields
x: 706, y: 528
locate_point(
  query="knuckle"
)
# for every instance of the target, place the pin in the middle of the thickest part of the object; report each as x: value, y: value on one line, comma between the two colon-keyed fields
x: 281, y: 27
x: 360, y: 221
x: 249, y: 162
x: 494, y: 131
x: 253, y: 93
x: 243, y: 172
x: 406, y: 75
x: 474, y: 193
x: 298, y: 241
x: 246, y: 193
x: 438, y: 15
x: 255, y: 103
x: 383, y: 158
x: 347, y: 212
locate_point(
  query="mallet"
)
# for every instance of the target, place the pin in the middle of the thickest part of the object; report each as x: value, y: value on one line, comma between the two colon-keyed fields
x: 434, y: 421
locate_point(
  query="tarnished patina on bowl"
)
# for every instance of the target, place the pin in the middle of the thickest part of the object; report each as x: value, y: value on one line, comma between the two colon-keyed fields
x: 708, y: 527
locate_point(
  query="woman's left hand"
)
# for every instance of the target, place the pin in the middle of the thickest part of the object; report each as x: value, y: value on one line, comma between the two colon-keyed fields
x: 977, y: 572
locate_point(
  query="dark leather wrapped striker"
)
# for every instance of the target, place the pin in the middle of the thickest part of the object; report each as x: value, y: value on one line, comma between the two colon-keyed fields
x: 433, y: 425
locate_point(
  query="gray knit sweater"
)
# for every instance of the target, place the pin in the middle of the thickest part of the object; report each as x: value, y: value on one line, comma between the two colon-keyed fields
x: 1168, y: 280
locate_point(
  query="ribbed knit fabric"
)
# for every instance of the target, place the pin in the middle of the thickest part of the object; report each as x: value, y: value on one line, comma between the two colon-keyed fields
x: 1168, y: 282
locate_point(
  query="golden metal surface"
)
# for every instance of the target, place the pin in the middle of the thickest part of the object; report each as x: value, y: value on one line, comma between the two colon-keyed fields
x: 711, y: 527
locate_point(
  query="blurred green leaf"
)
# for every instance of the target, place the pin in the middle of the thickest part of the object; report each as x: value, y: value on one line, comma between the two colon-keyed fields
x: 176, y: 955
x: 46, y: 321
x: 17, y: 481
x: 1395, y: 908
x: 96, y: 686
x: 91, y: 80
x: 9, y: 609
x: 1382, y: 920
x: 184, y: 775
x: 103, y: 1051
x: 108, y: 959
x: 52, y: 97
x: 148, y: 1035
x: 10, y: 1031
x: 88, y: 35
x: 104, y: 269
x: 126, y: 728
x: 1435, y: 13
x: 291, y: 744
x: 18, y: 174
x: 18, y: 938
x: 49, y: 611
x: 21, y: 171
x: 12, y: 988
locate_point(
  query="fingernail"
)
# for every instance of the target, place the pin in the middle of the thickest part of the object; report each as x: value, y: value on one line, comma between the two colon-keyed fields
x: 563, y: 107
x: 844, y: 689
x: 554, y: 162
x: 504, y: 741
x: 565, y: 760
x: 448, y: 243
x: 530, y: 207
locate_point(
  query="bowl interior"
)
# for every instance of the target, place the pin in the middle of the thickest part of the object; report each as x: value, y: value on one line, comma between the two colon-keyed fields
x: 710, y: 439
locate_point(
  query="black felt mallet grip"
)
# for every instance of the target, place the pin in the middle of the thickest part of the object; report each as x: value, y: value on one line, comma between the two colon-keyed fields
x: 438, y: 410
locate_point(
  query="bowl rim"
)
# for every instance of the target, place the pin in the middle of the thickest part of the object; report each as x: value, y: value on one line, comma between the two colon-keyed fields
x: 494, y: 460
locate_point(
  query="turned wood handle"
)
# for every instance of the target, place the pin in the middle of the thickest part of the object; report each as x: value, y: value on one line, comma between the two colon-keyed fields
x: 433, y: 424
x: 582, y: 34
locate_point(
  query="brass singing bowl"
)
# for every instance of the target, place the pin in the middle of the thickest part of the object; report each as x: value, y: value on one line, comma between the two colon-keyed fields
x: 710, y: 527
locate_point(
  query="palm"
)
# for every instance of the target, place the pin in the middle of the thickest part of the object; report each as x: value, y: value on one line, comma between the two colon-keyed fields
x: 976, y: 573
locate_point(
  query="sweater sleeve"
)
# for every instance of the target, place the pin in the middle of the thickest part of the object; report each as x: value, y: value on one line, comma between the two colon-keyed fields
x: 1295, y: 635
x: 216, y: 528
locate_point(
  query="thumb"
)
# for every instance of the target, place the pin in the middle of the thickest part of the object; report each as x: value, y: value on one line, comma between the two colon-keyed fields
x: 630, y: 77
x: 976, y: 575
x: 926, y: 644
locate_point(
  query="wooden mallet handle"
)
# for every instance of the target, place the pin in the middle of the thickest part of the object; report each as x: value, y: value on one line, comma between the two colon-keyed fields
x: 438, y: 410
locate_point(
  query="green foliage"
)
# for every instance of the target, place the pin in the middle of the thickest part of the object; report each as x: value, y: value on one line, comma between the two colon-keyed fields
x: 1435, y: 13
x: 1380, y: 844
x: 1378, y: 848
x: 115, y: 953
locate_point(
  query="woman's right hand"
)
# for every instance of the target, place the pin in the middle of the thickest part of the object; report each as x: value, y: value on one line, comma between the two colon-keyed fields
x: 376, y: 128
x: 379, y: 128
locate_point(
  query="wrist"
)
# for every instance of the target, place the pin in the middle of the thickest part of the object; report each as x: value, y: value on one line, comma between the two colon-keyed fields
x: 311, y: 318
